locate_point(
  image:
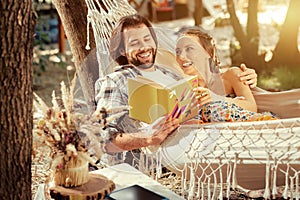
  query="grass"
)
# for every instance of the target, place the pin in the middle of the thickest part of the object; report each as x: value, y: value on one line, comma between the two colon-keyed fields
x: 280, y: 78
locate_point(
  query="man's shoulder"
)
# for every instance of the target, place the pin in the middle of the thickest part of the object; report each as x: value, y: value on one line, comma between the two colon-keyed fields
x: 120, y: 73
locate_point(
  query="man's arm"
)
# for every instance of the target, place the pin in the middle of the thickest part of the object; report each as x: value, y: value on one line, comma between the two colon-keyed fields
x: 111, y: 95
x: 130, y: 141
x: 248, y: 76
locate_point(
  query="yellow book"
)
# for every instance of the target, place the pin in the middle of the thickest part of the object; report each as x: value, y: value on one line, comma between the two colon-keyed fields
x: 149, y: 100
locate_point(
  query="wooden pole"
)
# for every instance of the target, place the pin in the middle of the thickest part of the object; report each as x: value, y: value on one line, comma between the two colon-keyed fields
x: 61, y: 37
x: 73, y: 16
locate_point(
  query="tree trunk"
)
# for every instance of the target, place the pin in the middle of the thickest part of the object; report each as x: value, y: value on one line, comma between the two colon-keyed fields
x: 286, y: 51
x: 248, y: 43
x: 73, y: 15
x: 252, y: 25
x: 198, y: 12
x: 17, y: 28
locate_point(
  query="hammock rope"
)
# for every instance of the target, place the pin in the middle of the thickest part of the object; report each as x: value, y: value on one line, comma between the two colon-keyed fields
x: 102, y: 18
x: 208, y: 156
x: 273, y: 144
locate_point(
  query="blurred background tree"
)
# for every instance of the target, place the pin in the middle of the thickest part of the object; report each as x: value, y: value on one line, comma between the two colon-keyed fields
x: 198, y: 12
x: 248, y: 39
x: 286, y: 51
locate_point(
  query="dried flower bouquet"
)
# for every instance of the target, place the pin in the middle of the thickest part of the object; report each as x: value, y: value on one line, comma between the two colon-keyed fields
x: 71, y: 136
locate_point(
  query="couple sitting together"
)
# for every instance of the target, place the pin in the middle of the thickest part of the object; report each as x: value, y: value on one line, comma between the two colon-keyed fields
x: 220, y: 97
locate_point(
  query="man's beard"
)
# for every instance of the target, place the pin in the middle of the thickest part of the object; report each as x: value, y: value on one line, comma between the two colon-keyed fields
x: 137, y: 63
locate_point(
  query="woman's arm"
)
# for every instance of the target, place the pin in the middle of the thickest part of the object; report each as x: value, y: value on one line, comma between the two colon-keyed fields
x: 234, y: 85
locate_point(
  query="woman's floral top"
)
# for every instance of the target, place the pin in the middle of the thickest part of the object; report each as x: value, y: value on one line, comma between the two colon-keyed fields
x: 222, y: 111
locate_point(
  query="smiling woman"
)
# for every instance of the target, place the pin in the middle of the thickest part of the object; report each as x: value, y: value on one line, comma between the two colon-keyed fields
x: 196, y: 55
x: 188, y: 51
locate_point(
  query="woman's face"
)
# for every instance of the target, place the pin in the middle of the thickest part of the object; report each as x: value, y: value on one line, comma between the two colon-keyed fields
x: 192, y: 57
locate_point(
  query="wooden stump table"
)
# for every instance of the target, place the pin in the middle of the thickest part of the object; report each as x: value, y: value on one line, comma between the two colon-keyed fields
x: 96, y: 188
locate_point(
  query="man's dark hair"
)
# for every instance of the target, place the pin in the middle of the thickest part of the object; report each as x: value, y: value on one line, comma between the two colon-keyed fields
x: 117, y: 38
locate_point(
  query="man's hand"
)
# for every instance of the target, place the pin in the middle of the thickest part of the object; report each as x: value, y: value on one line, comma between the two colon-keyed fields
x: 163, y: 130
x: 248, y: 76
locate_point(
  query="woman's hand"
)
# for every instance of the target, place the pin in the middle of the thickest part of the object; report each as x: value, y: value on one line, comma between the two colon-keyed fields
x: 202, y: 95
x: 248, y: 76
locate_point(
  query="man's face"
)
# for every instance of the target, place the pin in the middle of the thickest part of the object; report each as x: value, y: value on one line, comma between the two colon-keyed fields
x: 139, y: 45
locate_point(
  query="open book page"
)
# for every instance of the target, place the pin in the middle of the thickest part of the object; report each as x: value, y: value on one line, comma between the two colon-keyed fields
x: 159, y: 77
x: 148, y: 101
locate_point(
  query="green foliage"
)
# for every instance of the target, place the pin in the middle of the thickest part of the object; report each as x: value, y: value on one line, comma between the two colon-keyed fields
x: 46, y: 53
x: 42, y: 33
x: 41, y: 40
x: 45, y: 35
x: 280, y: 78
x: 288, y: 77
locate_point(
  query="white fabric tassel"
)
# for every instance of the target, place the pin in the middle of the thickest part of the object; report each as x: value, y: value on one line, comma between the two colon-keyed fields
x: 234, y: 178
x: 208, y: 189
x: 202, y: 189
x: 183, y: 179
x: 152, y: 166
x: 297, y: 187
x: 221, y: 184
x: 158, y: 164
x: 274, y: 189
x: 292, y: 188
x: 87, y: 47
x: 192, y: 183
x: 214, y: 194
x: 286, y: 188
x: 198, y: 189
x: 147, y: 167
x: 228, y: 180
x: 141, y: 162
x: 267, y: 179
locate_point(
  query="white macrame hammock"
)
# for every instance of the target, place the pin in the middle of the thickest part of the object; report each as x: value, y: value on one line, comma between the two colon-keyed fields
x: 213, y: 154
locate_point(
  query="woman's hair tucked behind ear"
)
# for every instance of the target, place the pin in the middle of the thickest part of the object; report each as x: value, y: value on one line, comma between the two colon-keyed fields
x: 117, y: 38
